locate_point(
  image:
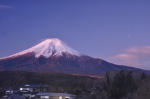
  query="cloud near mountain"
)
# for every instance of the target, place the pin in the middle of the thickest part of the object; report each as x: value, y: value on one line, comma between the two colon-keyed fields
x: 134, y: 56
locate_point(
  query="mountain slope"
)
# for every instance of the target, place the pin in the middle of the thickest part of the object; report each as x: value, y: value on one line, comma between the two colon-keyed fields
x: 53, y: 55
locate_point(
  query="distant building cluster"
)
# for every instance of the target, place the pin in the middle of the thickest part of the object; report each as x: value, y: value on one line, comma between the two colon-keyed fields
x: 36, y: 91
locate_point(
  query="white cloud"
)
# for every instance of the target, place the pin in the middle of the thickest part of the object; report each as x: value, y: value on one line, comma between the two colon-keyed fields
x: 124, y: 56
x: 5, y: 7
x: 139, y: 50
x: 135, y: 56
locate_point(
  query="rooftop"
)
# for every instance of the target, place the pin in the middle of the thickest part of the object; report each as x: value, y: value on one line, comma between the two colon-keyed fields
x: 54, y: 94
x: 34, y: 85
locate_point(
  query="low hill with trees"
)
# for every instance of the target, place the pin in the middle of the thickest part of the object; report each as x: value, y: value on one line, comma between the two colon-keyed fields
x: 113, y: 85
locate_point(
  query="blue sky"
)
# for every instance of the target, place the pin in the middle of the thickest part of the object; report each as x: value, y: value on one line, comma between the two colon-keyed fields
x: 114, y: 30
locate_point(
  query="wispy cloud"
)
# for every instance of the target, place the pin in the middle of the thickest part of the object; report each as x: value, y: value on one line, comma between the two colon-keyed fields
x: 6, y: 7
x: 135, y: 56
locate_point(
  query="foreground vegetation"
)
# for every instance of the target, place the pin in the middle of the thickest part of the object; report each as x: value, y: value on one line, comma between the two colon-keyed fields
x: 114, y: 84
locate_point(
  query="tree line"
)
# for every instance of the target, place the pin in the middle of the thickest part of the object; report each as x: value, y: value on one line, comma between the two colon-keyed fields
x: 113, y: 85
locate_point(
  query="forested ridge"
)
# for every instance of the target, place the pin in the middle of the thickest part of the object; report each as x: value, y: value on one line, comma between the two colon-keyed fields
x: 113, y: 85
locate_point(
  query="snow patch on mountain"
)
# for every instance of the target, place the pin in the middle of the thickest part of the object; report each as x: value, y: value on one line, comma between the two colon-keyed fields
x: 47, y: 48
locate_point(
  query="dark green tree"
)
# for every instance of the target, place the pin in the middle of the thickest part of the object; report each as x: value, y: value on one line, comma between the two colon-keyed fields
x: 143, y: 76
x: 107, y: 82
x: 130, y: 85
x: 117, y: 86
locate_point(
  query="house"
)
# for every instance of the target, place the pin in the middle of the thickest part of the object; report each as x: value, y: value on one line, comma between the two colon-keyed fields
x: 54, y: 96
x: 29, y: 90
x: 26, y: 94
x: 34, y: 88
x: 10, y: 91
x: 36, y: 91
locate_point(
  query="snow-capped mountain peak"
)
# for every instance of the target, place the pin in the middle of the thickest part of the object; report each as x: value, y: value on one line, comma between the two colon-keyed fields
x: 47, y: 48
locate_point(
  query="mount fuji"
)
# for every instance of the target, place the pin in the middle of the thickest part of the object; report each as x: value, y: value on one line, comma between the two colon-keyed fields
x: 53, y: 55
